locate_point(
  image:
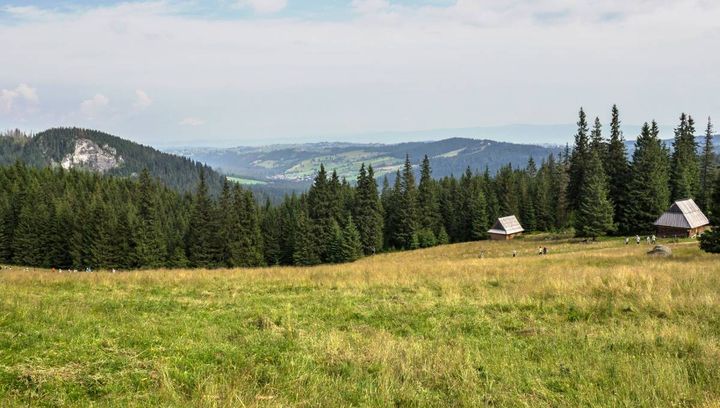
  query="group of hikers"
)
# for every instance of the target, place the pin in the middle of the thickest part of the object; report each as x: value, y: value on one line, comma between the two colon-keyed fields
x: 541, y: 251
x: 650, y: 239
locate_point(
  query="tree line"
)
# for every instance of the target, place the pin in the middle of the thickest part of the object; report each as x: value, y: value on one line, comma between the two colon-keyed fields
x: 51, y: 217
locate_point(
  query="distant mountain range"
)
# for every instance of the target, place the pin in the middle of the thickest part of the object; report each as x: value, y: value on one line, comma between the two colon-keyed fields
x: 299, y: 162
x: 630, y: 144
x: 103, y: 153
x: 275, y: 168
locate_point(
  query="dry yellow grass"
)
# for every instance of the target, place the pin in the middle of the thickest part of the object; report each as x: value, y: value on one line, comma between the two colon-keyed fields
x: 597, y: 324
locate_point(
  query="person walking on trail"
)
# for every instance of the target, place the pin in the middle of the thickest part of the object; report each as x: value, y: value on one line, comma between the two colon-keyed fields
x: 545, y: 250
x: 540, y: 251
x: 627, y: 240
x: 637, y: 239
x: 647, y: 239
x: 653, y: 239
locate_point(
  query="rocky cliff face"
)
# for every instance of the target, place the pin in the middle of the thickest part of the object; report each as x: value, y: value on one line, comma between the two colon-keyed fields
x: 90, y: 155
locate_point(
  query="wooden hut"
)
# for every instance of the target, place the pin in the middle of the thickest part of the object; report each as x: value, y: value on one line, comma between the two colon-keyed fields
x: 505, y: 228
x: 682, y: 219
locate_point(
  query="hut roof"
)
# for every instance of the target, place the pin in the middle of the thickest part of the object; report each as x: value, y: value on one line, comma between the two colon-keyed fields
x: 506, y: 226
x: 683, y: 214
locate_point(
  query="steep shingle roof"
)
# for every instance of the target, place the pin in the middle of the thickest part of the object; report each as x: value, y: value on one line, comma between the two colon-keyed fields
x: 506, y: 226
x: 683, y: 214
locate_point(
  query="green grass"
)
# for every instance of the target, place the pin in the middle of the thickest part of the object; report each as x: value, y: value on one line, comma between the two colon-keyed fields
x: 245, y: 181
x: 346, y: 164
x: 588, y: 325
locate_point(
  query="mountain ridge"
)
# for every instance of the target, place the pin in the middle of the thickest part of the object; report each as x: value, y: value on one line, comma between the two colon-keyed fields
x: 96, y: 151
x: 298, y: 162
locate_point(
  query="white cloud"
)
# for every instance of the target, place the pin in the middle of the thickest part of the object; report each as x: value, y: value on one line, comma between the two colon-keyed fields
x: 370, y: 6
x: 23, y: 93
x: 26, y: 12
x: 192, y: 121
x: 142, y: 100
x: 472, y: 63
x: 264, y: 6
x: 94, y: 106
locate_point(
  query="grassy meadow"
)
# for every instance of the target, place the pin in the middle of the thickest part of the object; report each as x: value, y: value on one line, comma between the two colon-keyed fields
x: 597, y: 324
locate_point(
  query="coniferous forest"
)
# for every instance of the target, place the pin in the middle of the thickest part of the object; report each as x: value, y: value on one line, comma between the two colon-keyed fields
x: 77, y: 219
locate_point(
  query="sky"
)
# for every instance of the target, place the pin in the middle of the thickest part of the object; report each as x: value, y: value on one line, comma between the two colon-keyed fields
x: 248, y: 72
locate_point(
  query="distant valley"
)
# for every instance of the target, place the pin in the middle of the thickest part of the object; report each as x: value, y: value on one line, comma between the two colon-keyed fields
x: 298, y: 163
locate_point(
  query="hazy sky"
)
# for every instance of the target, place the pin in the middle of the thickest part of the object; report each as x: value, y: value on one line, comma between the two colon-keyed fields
x: 229, y: 72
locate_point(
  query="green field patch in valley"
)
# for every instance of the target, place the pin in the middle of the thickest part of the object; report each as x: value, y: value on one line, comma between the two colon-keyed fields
x: 245, y: 181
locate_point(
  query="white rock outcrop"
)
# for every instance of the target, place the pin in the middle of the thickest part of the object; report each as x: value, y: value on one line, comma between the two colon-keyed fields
x: 90, y: 155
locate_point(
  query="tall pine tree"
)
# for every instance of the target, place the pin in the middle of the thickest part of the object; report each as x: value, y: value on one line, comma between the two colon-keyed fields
x: 685, y: 165
x: 649, y: 192
x: 202, y: 237
x: 405, y: 232
x: 707, y: 170
x: 368, y: 211
x: 594, y: 215
x: 578, y: 162
x: 617, y: 170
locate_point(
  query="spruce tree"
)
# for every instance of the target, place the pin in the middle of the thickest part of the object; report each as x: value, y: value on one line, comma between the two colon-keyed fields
x: 289, y: 212
x: 617, y: 169
x: 597, y: 143
x: 151, y: 247
x: 649, y: 193
x: 271, y: 230
x: 479, y: 221
x: 715, y: 202
x: 685, y: 165
x: 202, y: 237
x: 443, y: 237
x: 368, y: 211
x: 350, y: 243
x: 305, y: 248
x: 594, y: 215
x: 5, y: 232
x: 253, y: 240
x: 506, y: 191
x: 323, y: 208
x: 525, y: 186
x: 59, y: 244
x: 428, y: 205
x: 578, y: 162
x: 710, y: 241
x: 406, y: 207
x: 389, y: 200
x: 230, y: 232
x: 544, y: 220
x: 450, y: 213
x: 30, y: 236
x: 707, y: 170
x: 491, y: 197
x: 335, y: 245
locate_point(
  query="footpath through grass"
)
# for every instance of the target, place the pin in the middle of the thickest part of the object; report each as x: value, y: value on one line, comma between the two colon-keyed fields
x: 588, y: 325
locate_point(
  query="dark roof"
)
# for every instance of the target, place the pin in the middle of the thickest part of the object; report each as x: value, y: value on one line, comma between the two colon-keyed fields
x: 506, y: 226
x: 683, y: 214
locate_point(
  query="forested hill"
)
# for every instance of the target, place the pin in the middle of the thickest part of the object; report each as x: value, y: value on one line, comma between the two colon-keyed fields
x: 103, y: 153
x: 298, y: 163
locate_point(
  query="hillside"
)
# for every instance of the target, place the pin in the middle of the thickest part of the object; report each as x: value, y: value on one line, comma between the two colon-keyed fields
x: 297, y: 163
x: 587, y: 325
x: 100, y: 152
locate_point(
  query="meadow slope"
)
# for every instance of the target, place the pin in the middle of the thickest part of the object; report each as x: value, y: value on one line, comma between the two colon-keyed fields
x: 587, y: 325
